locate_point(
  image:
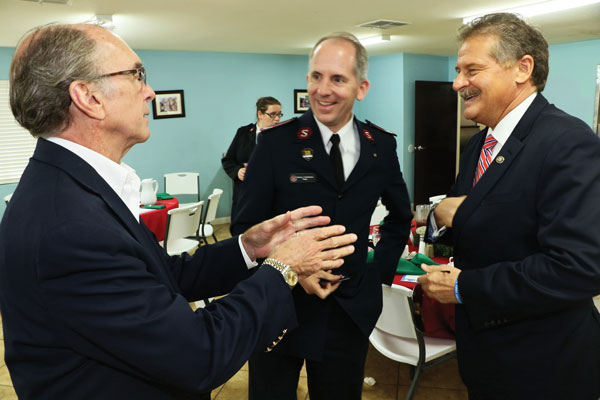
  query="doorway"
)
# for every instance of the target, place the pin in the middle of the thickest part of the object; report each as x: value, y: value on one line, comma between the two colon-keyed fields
x: 435, y: 146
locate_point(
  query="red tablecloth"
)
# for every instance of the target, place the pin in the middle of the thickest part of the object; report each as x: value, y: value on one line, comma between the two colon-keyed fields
x: 438, y: 319
x: 156, y: 220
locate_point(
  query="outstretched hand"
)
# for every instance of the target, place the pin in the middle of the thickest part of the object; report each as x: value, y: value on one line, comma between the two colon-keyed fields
x: 259, y: 240
x: 315, y: 249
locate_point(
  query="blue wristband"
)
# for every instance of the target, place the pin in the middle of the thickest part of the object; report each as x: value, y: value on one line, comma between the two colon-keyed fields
x: 456, y: 294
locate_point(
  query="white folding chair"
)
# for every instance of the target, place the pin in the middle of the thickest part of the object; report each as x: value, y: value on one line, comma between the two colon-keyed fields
x: 379, y: 214
x: 183, y: 185
x: 206, y: 228
x: 182, y: 223
x: 398, y: 335
x: 7, y: 198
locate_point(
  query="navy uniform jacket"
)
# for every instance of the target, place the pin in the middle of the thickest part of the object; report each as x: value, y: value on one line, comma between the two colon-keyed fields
x: 527, y: 238
x: 237, y: 155
x: 93, y: 308
x: 289, y: 168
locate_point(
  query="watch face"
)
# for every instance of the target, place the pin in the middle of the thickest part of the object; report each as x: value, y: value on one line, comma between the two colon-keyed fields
x: 291, y: 277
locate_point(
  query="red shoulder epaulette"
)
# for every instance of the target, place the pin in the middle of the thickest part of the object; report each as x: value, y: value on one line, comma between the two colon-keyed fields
x: 379, y: 128
x: 281, y: 123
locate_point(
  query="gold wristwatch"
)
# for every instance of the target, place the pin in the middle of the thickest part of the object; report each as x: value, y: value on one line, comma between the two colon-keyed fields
x: 289, y: 275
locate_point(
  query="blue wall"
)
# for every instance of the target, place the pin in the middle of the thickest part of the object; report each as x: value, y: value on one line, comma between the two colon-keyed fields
x: 572, y: 80
x: 221, y: 89
x: 384, y: 102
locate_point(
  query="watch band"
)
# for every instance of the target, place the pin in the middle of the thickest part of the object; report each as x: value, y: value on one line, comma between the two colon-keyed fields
x: 288, y: 273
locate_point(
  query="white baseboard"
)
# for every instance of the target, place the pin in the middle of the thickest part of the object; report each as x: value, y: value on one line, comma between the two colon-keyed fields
x: 222, y: 220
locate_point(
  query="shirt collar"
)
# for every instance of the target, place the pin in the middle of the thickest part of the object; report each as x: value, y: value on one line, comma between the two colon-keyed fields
x: 120, y: 177
x: 510, y: 121
x: 345, y: 131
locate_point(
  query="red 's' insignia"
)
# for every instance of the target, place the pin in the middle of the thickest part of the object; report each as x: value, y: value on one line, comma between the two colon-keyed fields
x: 304, y: 133
x: 367, y: 134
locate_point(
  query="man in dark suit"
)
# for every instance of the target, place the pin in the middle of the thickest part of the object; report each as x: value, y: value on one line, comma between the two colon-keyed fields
x: 92, y: 307
x: 524, y: 220
x: 295, y: 164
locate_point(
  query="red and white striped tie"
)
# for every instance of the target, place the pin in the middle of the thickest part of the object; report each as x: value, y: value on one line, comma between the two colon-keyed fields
x: 485, y: 158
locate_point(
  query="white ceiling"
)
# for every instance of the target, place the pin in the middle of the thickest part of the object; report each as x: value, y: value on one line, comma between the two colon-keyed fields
x: 285, y: 26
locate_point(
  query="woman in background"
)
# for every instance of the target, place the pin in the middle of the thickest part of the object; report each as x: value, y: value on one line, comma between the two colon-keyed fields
x: 268, y: 113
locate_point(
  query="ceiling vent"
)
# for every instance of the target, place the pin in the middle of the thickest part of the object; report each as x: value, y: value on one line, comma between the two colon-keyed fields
x: 65, y: 2
x: 382, y: 24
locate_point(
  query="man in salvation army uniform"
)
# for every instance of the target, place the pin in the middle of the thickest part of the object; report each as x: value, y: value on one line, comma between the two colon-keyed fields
x: 330, y: 158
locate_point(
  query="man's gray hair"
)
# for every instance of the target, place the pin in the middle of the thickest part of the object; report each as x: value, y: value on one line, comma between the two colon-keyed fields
x: 46, y: 61
x: 516, y: 38
x: 361, y: 64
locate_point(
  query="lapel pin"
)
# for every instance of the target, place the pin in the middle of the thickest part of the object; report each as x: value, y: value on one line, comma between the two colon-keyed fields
x: 304, y: 133
x: 307, y: 154
x: 499, y: 160
x: 367, y: 134
x: 374, y: 154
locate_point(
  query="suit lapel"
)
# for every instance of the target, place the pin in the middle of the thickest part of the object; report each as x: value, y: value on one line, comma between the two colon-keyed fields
x: 470, y: 160
x: 82, y: 172
x: 368, y: 153
x: 252, y: 138
x: 509, y: 152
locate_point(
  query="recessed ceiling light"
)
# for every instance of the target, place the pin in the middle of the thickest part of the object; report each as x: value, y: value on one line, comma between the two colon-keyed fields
x: 105, y: 21
x: 375, y: 40
x: 65, y: 2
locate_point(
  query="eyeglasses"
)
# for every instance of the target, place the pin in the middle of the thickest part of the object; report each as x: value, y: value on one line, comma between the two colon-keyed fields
x: 274, y: 114
x: 138, y: 73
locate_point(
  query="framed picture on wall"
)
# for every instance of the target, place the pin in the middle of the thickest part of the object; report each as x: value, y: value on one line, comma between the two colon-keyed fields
x: 168, y: 104
x: 301, y: 103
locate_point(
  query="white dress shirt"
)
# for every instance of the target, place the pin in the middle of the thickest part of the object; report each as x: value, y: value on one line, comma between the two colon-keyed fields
x: 508, y: 124
x: 120, y: 177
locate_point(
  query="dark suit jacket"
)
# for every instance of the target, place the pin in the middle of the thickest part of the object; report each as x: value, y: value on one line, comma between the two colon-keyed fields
x: 239, y: 153
x: 93, y: 308
x: 289, y: 168
x: 527, y: 238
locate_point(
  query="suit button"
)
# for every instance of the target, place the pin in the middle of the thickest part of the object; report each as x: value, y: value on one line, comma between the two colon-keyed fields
x: 340, y: 196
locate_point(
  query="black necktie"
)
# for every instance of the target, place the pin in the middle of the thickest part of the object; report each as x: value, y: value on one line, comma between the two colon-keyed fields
x: 336, y: 160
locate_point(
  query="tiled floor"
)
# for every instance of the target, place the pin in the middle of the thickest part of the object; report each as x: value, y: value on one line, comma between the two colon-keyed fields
x: 392, y: 381
x: 392, y: 378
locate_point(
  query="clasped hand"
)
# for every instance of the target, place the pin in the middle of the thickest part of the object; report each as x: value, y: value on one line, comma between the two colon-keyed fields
x: 439, y: 282
x: 287, y: 238
x: 445, y: 211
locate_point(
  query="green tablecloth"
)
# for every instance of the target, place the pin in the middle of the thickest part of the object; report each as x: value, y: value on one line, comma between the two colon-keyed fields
x: 409, y: 267
x: 163, y: 196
